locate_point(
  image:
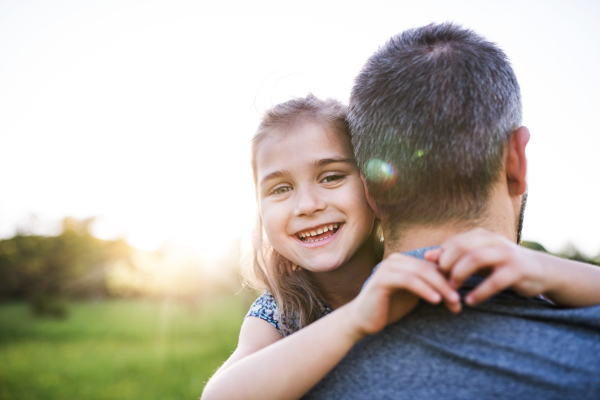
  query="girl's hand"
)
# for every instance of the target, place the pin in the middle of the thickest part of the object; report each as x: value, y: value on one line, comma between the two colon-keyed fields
x: 489, y: 254
x: 394, y: 290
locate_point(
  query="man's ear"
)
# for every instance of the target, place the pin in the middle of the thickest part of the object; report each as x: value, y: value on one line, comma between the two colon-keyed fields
x: 370, y: 200
x: 516, y: 163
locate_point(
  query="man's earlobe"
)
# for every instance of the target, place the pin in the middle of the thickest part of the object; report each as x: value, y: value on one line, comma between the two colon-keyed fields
x: 516, y: 165
x: 370, y: 200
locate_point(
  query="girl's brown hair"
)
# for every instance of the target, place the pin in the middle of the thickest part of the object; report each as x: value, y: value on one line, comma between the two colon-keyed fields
x: 299, y: 300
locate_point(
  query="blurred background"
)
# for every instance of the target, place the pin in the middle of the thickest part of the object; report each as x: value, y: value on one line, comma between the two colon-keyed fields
x: 126, y: 188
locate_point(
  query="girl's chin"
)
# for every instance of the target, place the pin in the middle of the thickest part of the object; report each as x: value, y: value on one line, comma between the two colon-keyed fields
x: 319, y: 266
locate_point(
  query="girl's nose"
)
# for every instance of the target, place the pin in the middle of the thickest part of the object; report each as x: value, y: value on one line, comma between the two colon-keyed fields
x: 308, y: 203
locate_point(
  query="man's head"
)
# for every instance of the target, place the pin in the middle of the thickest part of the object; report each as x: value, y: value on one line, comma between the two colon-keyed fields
x: 431, y: 117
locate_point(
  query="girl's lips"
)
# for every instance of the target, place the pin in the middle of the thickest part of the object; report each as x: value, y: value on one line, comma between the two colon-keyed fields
x: 317, y: 232
x: 321, y: 241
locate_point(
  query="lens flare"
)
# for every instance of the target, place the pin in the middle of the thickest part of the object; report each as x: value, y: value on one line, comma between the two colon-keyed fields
x: 381, y: 173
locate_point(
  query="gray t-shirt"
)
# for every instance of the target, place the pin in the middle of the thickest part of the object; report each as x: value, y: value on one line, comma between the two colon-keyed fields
x: 509, y: 347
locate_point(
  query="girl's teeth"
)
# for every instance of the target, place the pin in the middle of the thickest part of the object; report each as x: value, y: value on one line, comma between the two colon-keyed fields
x: 316, y: 240
x: 306, y: 235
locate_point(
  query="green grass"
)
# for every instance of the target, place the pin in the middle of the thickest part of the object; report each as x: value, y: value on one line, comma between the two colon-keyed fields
x: 116, y: 350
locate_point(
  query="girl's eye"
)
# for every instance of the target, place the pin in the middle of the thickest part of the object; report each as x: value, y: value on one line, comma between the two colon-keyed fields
x: 332, y: 178
x: 281, y: 190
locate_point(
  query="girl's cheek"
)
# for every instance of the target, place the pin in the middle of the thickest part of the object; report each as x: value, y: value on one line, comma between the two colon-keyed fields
x: 273, y: 225
x: 265, y: 214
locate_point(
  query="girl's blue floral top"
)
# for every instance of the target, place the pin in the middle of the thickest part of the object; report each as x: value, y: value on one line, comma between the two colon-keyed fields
x: 265, y: 308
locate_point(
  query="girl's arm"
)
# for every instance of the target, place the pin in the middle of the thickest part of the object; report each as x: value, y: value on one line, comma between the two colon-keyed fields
x: 528, y: 272
x: 571, y: 283
x: 255, y: 335
x: 290, y: 367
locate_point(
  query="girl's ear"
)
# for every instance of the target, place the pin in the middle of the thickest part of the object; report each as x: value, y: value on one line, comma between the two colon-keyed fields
x: 370, y: 200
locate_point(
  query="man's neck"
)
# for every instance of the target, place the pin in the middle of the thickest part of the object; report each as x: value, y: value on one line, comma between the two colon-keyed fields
x: 501, y: 220
x: 417, y: 238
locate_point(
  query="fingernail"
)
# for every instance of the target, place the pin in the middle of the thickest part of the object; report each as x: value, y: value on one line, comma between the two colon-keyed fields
x: 436, y: 298
x: 469, y: 299
x: 454, y: 297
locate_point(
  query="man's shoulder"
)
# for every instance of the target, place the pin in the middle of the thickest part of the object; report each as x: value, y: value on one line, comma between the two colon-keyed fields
x: 531, y: 346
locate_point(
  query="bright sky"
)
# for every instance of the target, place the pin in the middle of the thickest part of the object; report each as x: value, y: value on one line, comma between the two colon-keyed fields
x: 141, y: 112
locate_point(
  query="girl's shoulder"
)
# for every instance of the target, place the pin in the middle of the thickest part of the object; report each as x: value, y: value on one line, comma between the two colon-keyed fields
x: 264, y: 305
x: 265, y: 308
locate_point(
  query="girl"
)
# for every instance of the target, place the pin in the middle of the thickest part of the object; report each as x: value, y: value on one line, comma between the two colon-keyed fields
x: 321, y: 245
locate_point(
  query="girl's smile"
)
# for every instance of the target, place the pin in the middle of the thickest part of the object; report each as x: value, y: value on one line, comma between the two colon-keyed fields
x: 311, y: 198
x: 320, y: 235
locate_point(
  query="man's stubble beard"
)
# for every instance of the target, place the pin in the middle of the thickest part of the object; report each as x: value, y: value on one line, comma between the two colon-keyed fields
x: 521, y: 216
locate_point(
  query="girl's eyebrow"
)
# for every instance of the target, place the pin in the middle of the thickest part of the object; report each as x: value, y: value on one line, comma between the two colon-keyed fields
x: 318, y: 163
x: 272, y: 175
x: 326, y: 161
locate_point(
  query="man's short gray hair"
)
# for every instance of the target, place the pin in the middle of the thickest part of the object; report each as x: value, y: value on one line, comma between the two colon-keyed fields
x: 430, y: 115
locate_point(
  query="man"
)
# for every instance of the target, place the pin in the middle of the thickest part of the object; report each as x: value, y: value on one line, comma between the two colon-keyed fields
x: 436, y: 122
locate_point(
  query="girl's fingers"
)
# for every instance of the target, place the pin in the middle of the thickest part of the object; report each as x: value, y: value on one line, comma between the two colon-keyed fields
x: 433, y: 255
x: 457, y: 246
x: 433, y: 277
x: 400, y: 280
x: 476, y: 260
x: 426, y: 271
x: 432, y: 289
x: 454, y: 307
x: 501, y: 279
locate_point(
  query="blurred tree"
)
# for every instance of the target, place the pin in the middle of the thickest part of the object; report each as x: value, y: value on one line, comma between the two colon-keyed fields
x: 571, y: 252
x: 72, y: 264
x: 533, y: 246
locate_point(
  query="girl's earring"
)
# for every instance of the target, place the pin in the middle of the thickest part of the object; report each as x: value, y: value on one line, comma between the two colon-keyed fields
x: 295, y: 268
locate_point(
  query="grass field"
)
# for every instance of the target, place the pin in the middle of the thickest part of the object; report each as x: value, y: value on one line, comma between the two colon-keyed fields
x: 116, y: 350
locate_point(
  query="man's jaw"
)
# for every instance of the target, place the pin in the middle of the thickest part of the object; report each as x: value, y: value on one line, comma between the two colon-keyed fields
x: 521, y: 216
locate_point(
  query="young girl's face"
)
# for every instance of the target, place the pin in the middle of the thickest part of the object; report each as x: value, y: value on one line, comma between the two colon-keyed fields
x: 311, y: 197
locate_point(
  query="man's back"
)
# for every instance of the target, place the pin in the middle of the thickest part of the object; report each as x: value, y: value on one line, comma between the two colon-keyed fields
x: 509, y: 347
x: 439, y: 107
